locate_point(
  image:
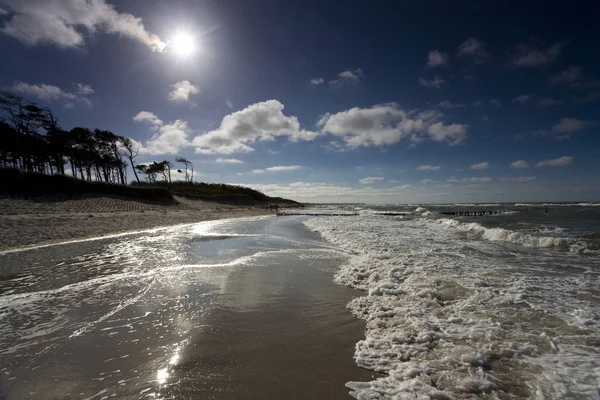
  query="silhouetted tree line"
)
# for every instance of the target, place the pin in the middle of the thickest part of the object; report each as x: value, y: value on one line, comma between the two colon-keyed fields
x: 33, y: 141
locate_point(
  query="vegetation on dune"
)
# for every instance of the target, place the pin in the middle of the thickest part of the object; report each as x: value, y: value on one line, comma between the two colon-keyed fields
x: 38, y: 158
x: 216, y: 192
x: 34, y: 184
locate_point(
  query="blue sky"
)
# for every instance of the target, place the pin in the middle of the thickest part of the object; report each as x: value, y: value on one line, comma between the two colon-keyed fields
x: 329, y: 101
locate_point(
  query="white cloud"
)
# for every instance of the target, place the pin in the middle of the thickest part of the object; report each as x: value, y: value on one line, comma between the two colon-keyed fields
x: 472, y: 47
x: 149, y: 117
x: 277, y: 168
x: 572, y: 125
x: 229, y: 104
x: 435, y: 58
x: 182, y: 90
x: 483, y: 165
x: 307, y: 184
x: 167, y: 138
x: 519, y: 179
x: 429, y: 168
x: 370, y: 180
x: 402, y: 187
x: 258, y: 122
x: 280, y: 168
x: 436, y: 82
x: 317, y: 81
x: 549, y: 102
x: 519, y: 164
x: 51, y: 93
x: 535, y: 55
x: 387, y: 124
x: 474, y: 179
x: 453, y: 134
x: 427, y: 181
x: 522, y: 99
x: 349, y: 76
x: 66, y: 23
x: 82, y: 89
x: 556, y: 162
x: 221, y: 160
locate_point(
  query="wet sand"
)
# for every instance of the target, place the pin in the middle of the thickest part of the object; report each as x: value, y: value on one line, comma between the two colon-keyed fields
x: 27, y: 222
x: 181, y: 315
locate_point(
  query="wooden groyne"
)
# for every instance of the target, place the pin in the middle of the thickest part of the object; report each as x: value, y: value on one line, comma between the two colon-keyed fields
x: 471, y: 213
x: 316, y: 214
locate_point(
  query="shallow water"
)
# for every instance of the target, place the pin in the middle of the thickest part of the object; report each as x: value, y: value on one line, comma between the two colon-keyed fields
x: 225, y: 309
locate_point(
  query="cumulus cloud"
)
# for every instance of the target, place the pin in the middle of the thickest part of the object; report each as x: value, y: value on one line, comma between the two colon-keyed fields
x: 429, y: 168
x: 66, y: 23
x: 452, y: 134
x: 317, y: 81
x: 387, y: 124
x: 474, y: 179
x: 221, y: 160
x: 182, y: 90
x: 167, y: 138
x: 522, y: 99
x: 149, y: 117
x: 549, y: 102
x: 51, y: 93
x: 535, y: 55
x: 436, y: 82
x: 82, y: 89
x: 472, y: 47
x: 349, y: 76
x: 519, y: 164
x: 427, y: 181
x: 556, y: 162
x: 572, y: 125
x: 519, y: 179
x: 435, y: 58
x: 258, y: 122
x: 371, y: 179
x: 483, y: 165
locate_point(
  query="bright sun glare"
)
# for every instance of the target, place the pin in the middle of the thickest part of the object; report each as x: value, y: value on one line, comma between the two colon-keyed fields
x: 183, y: 45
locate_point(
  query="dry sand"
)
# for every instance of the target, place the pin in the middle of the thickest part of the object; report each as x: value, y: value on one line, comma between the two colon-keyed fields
x: 27, y: 222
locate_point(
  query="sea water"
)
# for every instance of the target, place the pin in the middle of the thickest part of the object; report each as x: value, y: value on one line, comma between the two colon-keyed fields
x: 504, y: 305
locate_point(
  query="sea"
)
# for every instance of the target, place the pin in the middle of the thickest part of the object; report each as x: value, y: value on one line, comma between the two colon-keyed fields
x: 485, y: 301
x: 390, y: 302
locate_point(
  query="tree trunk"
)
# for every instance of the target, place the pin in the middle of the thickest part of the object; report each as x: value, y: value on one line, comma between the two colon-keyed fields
x: 137, y: 178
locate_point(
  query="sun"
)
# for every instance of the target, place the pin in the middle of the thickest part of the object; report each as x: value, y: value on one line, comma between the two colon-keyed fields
x: 183, y: 44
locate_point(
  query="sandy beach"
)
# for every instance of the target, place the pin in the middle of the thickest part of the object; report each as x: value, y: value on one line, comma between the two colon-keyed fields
x: 242, y: 308
x: 27, y: 222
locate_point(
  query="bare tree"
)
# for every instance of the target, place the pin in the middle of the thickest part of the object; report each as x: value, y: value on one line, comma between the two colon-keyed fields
x: 186, y: 163
x: 131, y: 152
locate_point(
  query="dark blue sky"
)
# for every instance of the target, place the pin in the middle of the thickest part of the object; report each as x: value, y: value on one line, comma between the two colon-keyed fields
x: 379, y: 101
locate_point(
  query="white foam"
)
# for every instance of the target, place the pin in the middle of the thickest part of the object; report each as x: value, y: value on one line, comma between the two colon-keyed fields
x: 510, y: 236
x: 446, y: 318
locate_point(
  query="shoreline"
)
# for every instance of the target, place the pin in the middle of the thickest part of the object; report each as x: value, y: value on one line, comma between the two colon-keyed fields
x: 29, y: 223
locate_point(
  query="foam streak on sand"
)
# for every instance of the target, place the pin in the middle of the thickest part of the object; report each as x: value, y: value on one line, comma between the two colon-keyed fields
x: 453, y: 317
